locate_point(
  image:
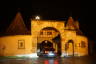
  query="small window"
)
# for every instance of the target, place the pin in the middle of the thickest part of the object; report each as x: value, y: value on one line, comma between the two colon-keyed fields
x: 49, y: 33
x: 83, y: 44
x: 21, y: 44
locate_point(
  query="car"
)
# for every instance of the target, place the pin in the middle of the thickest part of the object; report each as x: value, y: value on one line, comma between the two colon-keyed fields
x: 49, y: 54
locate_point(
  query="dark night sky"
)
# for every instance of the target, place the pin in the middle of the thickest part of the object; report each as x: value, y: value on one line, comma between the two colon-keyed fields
x: 55, y: 10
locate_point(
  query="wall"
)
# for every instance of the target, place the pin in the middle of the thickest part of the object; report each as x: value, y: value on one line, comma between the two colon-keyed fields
x: 68, y: 35
x: 77, y: 39
x: 9, y: 45
x: 82, y: 51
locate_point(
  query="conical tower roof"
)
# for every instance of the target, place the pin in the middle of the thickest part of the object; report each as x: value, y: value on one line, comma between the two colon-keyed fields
x: 73, y: 25
x: 17, y: 27
x: 70, y: 24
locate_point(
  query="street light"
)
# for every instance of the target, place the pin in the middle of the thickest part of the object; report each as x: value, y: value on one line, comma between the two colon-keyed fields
x: 37, y: 17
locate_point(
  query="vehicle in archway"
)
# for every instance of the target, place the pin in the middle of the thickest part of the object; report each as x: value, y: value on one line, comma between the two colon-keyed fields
x: 48, y: 52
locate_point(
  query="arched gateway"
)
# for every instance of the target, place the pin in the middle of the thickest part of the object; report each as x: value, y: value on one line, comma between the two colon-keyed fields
x: 47, y: 35
x: 49, y: 39
x: 65, y: 40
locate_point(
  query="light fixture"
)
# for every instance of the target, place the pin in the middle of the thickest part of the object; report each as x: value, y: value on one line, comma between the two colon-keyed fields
x: 37, y: 17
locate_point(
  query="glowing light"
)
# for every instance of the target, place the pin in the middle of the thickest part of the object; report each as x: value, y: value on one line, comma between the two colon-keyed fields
x: 51, y: 54
x: 37, y: 18
x: 33, y: 55
x: 64, y: 54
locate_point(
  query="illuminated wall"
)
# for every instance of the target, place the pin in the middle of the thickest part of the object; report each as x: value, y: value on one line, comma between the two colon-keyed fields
x: 14, y: 45
x: 82, y: 44
x: 38, y: 25
x: 66, y: 45
x: 66, y: 35
x: 71, y: 43
x: 78, y: 46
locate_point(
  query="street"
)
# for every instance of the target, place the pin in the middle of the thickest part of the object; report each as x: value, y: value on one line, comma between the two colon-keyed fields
x: 65, y: 60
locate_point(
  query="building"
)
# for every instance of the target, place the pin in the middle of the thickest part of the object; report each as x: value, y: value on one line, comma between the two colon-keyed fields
x: 64, y: 37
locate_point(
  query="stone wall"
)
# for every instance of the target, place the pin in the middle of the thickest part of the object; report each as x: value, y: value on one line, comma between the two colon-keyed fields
x: 14, y: 45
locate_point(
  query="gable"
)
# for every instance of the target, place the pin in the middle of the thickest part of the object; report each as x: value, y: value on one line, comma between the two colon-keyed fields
x: 17, y: 27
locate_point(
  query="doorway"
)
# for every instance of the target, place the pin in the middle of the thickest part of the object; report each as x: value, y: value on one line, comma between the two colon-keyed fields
x: 69, y: 48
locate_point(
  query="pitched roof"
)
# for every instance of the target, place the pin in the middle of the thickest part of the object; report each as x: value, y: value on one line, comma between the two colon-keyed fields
x: 70, y: 23
x: 17, y: 27
x: 73, y: 25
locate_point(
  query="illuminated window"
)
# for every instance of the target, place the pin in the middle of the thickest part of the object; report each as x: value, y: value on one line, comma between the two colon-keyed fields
x: 21, y: 44
x: 83, y: 45
x: 49, y: 33
x: 37, y: 17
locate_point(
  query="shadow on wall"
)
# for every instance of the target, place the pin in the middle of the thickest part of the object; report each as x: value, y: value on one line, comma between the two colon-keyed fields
x: 91, y: 47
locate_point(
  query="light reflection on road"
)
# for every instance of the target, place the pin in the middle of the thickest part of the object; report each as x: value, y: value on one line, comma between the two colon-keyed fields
x: 69, y: 60
x: 51, y: 61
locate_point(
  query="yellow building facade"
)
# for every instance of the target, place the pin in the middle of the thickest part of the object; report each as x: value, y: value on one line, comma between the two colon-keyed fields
x: 65, y: 38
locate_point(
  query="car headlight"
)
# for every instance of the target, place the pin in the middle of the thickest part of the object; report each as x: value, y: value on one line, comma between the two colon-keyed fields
x: 51, y: 54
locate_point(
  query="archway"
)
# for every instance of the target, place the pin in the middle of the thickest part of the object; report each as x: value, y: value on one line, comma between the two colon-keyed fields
x: 69, y: 48
x: 49, y: 40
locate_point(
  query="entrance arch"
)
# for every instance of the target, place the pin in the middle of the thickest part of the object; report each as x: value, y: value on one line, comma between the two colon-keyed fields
x: 69, y: 47
x: 49, y: 39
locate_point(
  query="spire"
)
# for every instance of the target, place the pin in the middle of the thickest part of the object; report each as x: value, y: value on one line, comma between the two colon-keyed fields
x: 17, y: 27
x: 70, y: 20
x: 70, y: 23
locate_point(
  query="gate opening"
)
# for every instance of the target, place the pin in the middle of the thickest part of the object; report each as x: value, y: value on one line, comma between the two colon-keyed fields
x: 49, y: 42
